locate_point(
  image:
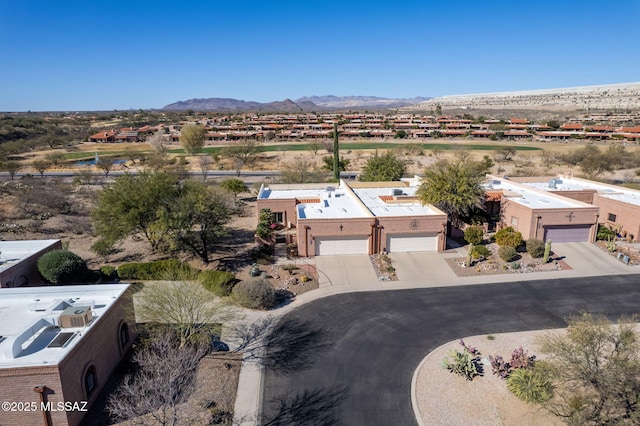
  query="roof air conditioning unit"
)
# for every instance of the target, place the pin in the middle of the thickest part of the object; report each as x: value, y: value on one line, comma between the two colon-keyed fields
x: 75, y: 316
x: 396, y: 191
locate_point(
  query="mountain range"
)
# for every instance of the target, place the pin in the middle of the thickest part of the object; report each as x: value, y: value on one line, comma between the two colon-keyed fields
x: 310, y: 103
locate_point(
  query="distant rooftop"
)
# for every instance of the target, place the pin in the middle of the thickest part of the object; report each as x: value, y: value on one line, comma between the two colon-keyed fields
x: 31, y: 331
x: 531, y: 197
x: 625, y: 195
x: 12, y: 252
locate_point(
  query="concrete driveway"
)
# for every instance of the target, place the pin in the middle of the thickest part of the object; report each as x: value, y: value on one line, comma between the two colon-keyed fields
x: 351, y: 271
x: 589, y: 259
x: 422, y: 268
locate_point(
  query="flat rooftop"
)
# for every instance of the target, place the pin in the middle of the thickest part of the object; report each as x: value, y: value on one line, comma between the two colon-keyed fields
x: 30, y: 328
x: 532, y: 197
x: 331, y: 202
x: 12, y: 252
x: 625, y: 195
x: 401, y: 201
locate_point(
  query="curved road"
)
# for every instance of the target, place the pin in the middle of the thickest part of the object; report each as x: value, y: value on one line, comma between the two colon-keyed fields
x: 348, y: 359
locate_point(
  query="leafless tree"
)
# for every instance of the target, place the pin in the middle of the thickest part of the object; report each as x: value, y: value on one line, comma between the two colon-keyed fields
x: 164, y: 380
x: 185, y: 306
x: 301, y: 171
x: 105, y: 164
x: 205, y: 165
x: 157, y: 160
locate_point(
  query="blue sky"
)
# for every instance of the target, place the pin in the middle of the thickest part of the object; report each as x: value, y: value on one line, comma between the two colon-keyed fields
x: 105, y: 55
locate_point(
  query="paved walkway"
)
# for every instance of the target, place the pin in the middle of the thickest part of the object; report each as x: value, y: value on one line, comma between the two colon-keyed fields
x: 346, y: 274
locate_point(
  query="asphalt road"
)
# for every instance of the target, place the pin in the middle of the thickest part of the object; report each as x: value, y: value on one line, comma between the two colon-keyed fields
x: 349, y: 359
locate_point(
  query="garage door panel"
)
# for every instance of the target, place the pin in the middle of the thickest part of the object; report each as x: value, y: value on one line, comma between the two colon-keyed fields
x: 341, y: 245
x: 410, y: 243
x: 567, y: 233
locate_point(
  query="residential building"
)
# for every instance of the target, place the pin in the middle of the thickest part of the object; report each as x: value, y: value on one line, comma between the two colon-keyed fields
x: 60, y: 345
x: 19, y: 259
x: 619, y: 206
x: 543, y: 215
x: 356, y: 217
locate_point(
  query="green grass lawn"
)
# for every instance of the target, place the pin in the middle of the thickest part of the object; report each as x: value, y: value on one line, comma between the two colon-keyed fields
x: 373, y: 145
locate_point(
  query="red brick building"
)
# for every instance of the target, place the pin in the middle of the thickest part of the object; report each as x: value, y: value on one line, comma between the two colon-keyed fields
x: 60, y: 345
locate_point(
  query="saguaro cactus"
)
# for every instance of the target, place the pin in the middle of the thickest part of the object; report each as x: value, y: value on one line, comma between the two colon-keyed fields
x: 469, y: 254
x: 336, y: 153
x: 547, y: 251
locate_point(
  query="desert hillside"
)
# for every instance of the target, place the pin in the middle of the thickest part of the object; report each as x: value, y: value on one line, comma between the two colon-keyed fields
x: 606, y: 97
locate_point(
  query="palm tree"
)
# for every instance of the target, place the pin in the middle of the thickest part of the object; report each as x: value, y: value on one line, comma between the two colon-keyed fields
x: 455, y: 188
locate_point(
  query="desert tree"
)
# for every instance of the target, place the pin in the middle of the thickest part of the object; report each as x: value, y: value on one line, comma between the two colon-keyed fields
x: 55, y: 158
x: 157, y: 159
x: 234, y: 186
x: 386, y: 167
x: 301, y: 171
x: 194, y: 219
x: 164, y: 379
x: 131, y: 204
x: 453, y: 187
x: 242, y: 154
x: 41, y: 166
x: 595, y: 370
x: 12, y: 167
x: 204, y: 161
x: 192, y: 138
x: 105, y: 164
x: 192, y: 313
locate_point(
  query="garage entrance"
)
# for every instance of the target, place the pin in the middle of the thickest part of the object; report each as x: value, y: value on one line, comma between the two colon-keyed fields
x: 567, y: 233
x: 342, y: 245
x: 412, y: 242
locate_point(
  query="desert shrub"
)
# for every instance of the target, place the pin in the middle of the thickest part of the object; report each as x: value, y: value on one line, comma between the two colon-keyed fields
x: 535, y: 247
x: 508, y: 237
x: 219, y: 283
x: 255, y: 293
x: 62, y: 267
x: 499, y: 366
x: 521, y: 359
x: 169, y: 269
x: 605, y: 233
x: 507, y: 253
x: 464, y: 363
x: 480, y: 251
x: 102, y: 247
x: 531, y: 384
x: 474, y: 234
x: 109, y: 273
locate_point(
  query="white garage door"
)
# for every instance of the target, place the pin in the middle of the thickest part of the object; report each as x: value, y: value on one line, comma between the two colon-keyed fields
x: 567, y: 233
x: 408, y: 243
x: 342, y: 245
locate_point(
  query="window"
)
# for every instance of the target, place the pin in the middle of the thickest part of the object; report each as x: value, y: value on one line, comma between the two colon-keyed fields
x: 90, y: 380
x: 514, y: 221
x: 611, y: 217
x: 124, y: 334
x: 278, y: 217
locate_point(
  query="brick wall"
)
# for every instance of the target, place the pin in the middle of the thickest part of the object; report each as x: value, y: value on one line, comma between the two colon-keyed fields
x: 99, y: 347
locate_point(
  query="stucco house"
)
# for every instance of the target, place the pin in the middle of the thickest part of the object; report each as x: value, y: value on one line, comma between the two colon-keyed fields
x: 619, y: 206
x: 19, y: 259
x: 356, y: 217
x: 543, y: 215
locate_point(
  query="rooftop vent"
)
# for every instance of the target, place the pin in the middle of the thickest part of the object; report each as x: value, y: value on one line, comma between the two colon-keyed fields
x: 75, y: 316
